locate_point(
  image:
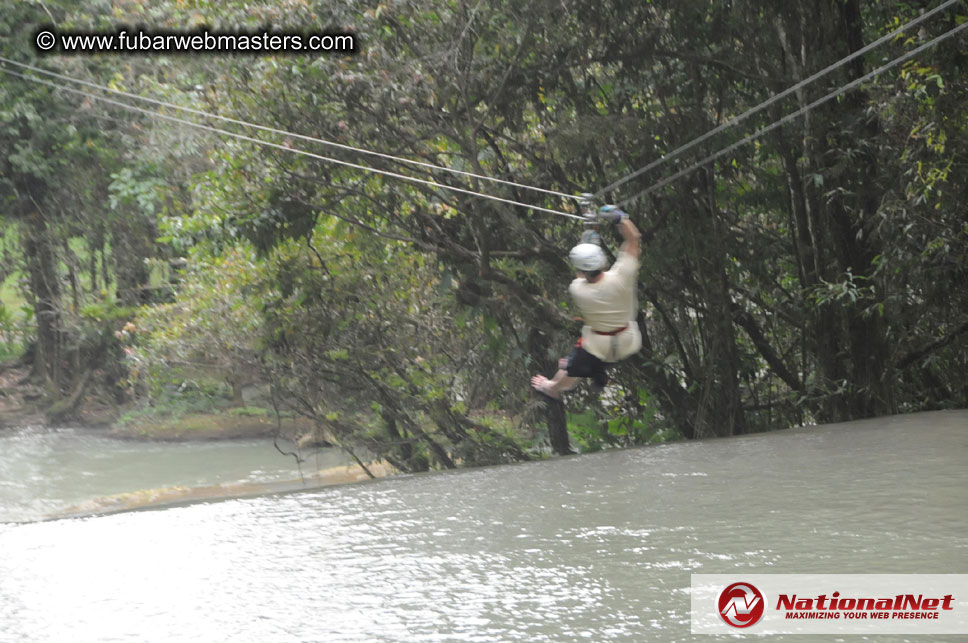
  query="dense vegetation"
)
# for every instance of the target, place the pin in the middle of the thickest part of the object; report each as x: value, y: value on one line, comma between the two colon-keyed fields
x: 817, y: 274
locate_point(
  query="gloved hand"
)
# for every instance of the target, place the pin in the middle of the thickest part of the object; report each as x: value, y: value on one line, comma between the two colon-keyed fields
x: 611, y: 214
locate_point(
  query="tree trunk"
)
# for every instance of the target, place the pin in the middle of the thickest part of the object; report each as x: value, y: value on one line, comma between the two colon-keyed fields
x: 555, y: 416
x: 674, y: 400
x: 720, y: 405
x: 401, y: 448
x: 65, y: 408
x: 558, y: 427
x: 45, y: 288
x: 238, y: 400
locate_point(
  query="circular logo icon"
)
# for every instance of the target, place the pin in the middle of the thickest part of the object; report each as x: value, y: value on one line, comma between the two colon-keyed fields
x: 741, y: 605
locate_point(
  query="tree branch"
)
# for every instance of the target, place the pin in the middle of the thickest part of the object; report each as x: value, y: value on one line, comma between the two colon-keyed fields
x: 924, y: 351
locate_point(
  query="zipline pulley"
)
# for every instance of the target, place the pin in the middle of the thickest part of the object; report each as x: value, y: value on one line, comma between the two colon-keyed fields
x: 591, y: 220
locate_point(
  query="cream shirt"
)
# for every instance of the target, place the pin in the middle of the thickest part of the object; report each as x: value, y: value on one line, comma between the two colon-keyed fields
x: 607, y: 305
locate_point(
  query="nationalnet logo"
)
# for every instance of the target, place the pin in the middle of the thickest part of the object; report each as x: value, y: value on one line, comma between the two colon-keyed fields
x: 830, y: 604
x: 899, y: 606
x: 741, y: 605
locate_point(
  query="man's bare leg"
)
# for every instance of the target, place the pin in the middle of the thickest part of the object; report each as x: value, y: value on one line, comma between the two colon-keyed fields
x: 557, y: 385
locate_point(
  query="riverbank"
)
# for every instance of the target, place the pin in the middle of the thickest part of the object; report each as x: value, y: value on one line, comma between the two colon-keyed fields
x: 223, y: 425
x: 17, y: 398
x: 19, y: 406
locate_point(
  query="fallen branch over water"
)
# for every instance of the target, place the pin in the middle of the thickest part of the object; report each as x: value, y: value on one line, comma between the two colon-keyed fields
x: 176, y: 495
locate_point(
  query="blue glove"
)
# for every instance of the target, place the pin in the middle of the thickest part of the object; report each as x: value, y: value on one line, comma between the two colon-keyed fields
x: 612, y: 214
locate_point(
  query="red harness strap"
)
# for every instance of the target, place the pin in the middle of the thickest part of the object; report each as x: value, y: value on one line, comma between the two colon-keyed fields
x: 611, y: 332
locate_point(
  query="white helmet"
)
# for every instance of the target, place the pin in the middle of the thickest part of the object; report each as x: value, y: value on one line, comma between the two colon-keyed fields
x: 587, y: 257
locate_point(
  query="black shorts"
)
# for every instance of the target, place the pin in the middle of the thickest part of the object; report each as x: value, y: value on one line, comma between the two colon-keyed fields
x: 581, y: 363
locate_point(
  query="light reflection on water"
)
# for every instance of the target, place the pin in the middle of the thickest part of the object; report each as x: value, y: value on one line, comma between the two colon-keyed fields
x: 596, y: 548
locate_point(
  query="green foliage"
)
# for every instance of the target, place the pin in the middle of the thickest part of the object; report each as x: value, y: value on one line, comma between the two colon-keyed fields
x: 107, y: 312
x: 756, y: 299
x: 210, y: 331
x: 587, y: 430
x: 15, y: 331
x: 249, y: 411
x: 618, y: 420
x: 850, y: 289
x: 175, y: 403
x: 815, y: 275
x: 143, y: 194
x: 359, y: 339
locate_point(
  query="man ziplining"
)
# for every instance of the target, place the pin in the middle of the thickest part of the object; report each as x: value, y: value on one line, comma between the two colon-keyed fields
x: 607, y: 300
